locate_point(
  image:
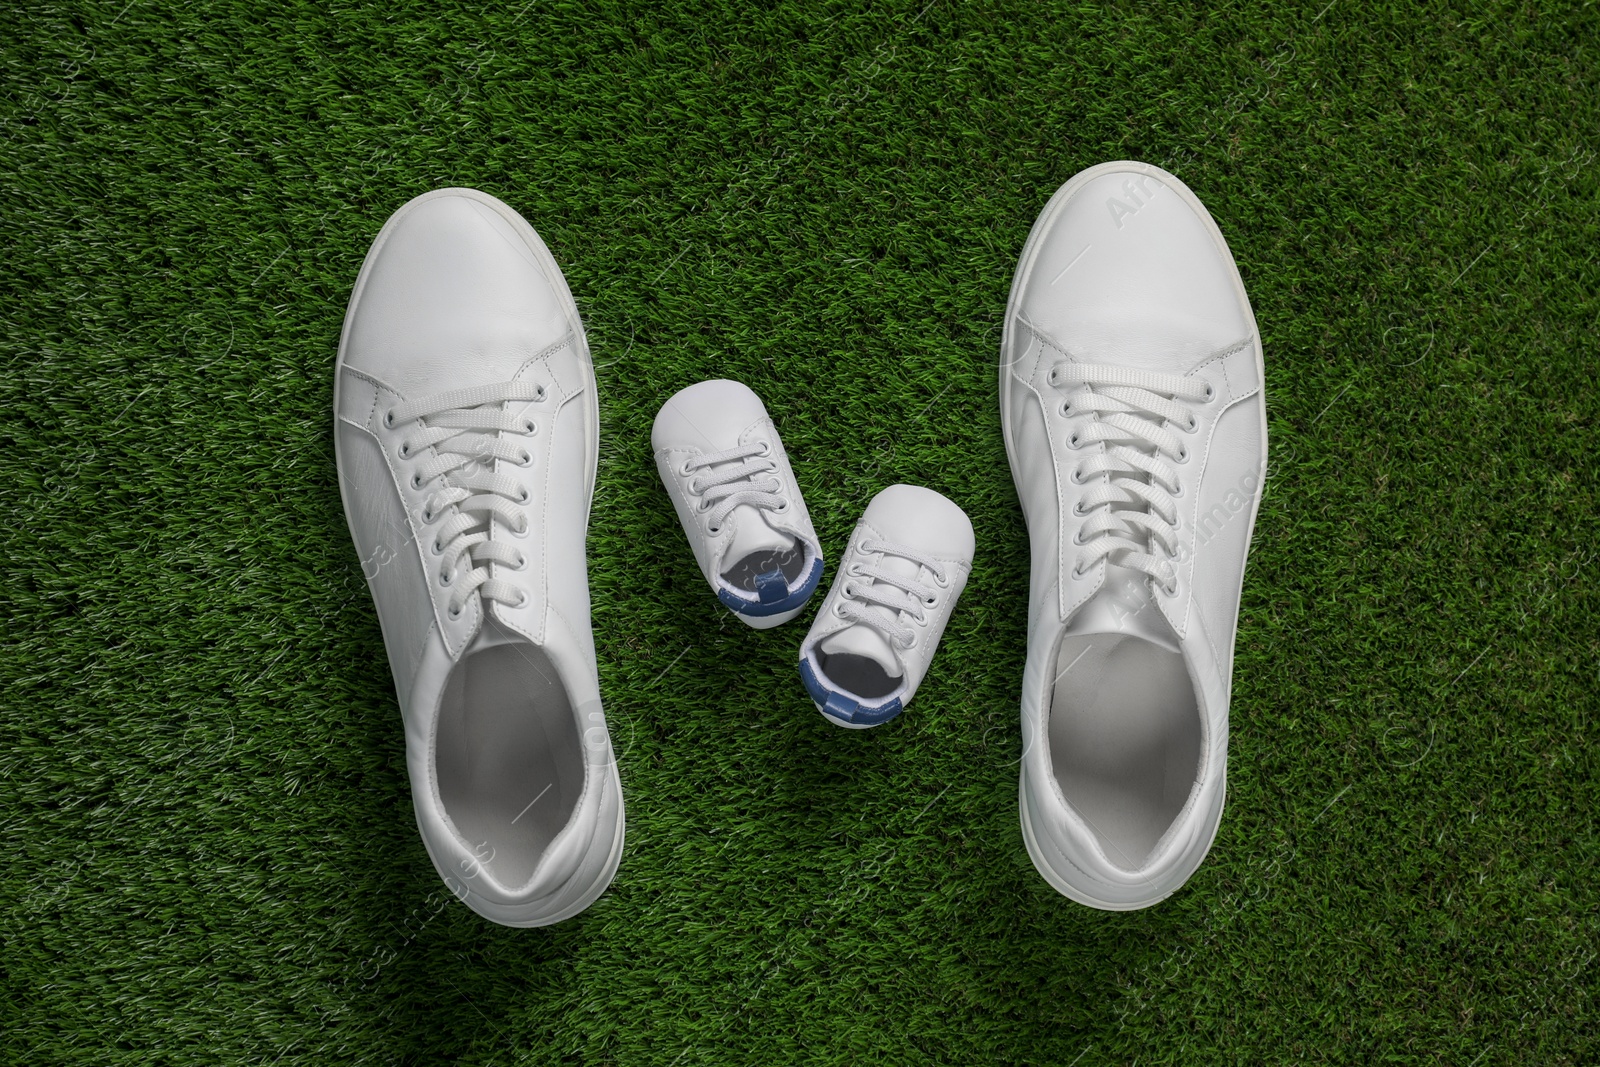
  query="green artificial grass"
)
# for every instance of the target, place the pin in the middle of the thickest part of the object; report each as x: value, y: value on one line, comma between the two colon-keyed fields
x: 209, y: 851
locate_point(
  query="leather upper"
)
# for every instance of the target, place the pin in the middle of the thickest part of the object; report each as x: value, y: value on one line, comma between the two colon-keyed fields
x: 711, y: 417
x: 928, y: 523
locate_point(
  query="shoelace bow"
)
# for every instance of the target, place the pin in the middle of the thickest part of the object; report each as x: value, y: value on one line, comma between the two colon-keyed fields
x: 732, y: 486
x: 881, y: 601
x: 1133, y: 413
x: 468, y: 429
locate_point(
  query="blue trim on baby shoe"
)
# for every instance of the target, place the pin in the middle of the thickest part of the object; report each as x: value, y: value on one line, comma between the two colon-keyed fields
x: 836, y: 705
x: 760, y: 608
x: 772, y: 586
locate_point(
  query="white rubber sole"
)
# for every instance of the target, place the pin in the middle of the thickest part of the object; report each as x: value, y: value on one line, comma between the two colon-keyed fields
x: 1072, y: 892
x: 767, y: 622
x: 513, y: 915
x: 597, y: 888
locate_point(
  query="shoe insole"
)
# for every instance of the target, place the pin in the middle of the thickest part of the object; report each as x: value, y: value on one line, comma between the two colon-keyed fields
x: 789, y: 561
x: 1124, y: 739
x: 509, y: 761
x: 861, y: 675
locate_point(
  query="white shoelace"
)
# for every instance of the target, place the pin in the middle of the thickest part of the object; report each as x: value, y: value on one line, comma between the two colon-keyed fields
x: 732, y: 486
x: 467, y: 429
x: 1142, y: 417
x: 880, y: 603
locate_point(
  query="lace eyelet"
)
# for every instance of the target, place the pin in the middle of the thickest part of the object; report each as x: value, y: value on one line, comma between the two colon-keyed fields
x: 909, y: 645
x: 713, y: 530
x: 427, y: 516
x: 694, y: 487
x: 1077, y: 537
x: 388, y: 417
x: 1072, y: 441
x: 522, y: 599
x: 416, y: 481
x: 522, y: 563
x: 853, y: 569
x: 1183, y: 454
x: 529, y: 426
x: 1066, y: 409
x: 525, y: 497
x: 543, y: 392
x: 1194, y: 425
x: 941, y: 581
x: 922, y: 620
x: 455, y: 612
x: 404, y: 451
x: 437, y: 547
x: 838, y: 609
x: 527, y: 459
x: 1211, y: 393
x: 766, y: 449
x: 931, y: 602
x: 445, y: 578
x: 685, y: 470
x: 1077, y: 509
x: 781, y: 508
x: 521, y: 531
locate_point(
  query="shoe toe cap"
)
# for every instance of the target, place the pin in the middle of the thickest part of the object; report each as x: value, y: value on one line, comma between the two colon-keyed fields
x: 454, y: 295
x: 708, y: 416
x: 922, y: 519
x: 1131, y: 269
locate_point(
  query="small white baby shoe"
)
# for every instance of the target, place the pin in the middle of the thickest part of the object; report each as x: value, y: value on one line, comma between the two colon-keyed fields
x: 870, y: 645
x: 722, y: 463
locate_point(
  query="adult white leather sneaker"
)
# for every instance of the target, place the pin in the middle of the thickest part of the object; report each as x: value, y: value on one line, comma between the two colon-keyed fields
x: 729, y: 478
x: 467, y: 435
x: 1131, y: 399
x: 869, y: 647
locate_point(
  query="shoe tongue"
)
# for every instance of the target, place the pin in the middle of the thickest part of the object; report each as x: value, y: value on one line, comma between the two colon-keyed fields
x: 751, y: 534
x: 861, y: 640
x: 493, y: 633
x: 1124, y: 605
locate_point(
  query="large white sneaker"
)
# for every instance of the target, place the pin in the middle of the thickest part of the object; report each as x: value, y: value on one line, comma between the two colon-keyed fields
x: 1131, y: 399
x: 905, y: 567
x: 720, y: 458
x: 467, y: 436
